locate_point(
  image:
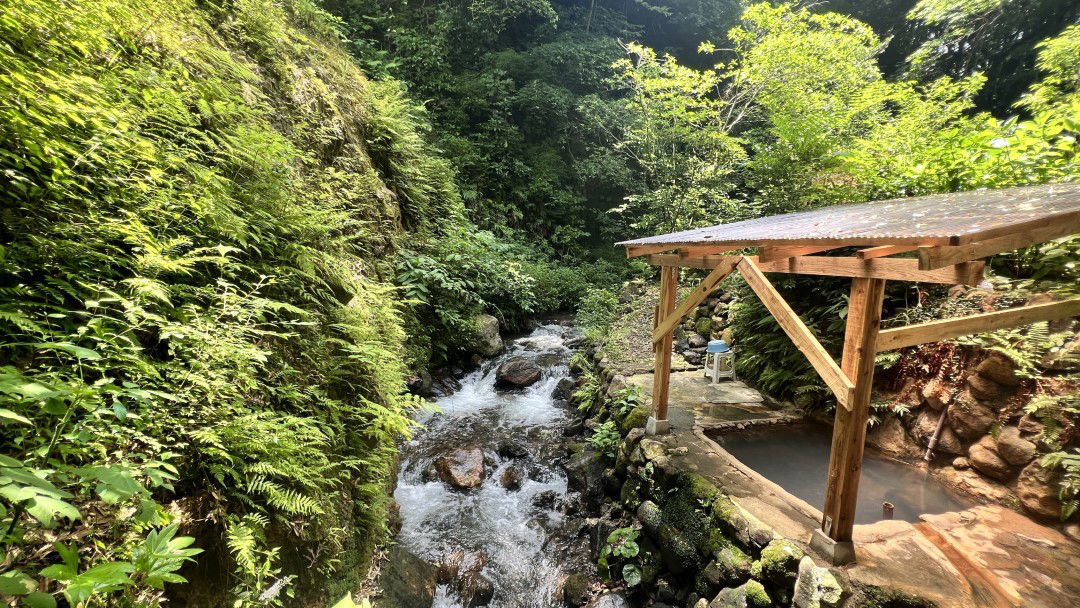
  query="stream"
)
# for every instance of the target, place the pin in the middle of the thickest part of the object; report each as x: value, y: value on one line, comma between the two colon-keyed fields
x: 520, y: 535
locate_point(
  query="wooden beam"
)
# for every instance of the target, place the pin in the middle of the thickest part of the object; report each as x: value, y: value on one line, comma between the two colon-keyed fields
x: 939, y: 257
x: 1065, y: 218
x: 893, y: 269
x: 691, y: 251
x: 798, y: 332
x: 770, y: 254
x: 944, y: 329
x: 669, y: 278
x: 883, y: 251
x: 849, y: 428
x: 705, y: 287
x: 635, y: 251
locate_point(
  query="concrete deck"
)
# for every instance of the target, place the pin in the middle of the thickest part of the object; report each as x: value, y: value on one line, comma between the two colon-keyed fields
x: 984, y: 557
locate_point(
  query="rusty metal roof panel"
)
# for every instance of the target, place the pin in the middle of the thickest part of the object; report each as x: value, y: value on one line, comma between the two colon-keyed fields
x: 938, y: 219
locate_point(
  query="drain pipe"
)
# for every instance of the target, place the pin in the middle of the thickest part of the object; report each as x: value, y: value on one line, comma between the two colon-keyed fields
x: 887, y: 510
x: 937, y: 434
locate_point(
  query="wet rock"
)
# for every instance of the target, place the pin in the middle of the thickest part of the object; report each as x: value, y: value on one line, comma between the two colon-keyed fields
x: 936, y: 393
x: 563, y: 390
x: 420, y: 384
x: 512, y: 448
x: 780, y: 562
x: 924, y: 427
x: 971, y: 482
x: 574, y: 590
x: 462, y: 571
x: 510, y: 479
x: 486, y: 340
x: 406, y: 581
x: 751, y: 594
x: 1037, y: 488
x: 574, y: 427
x: 815, y: 587
x: 1072, y: 531
x: 517, y: 373
x: 463, y: 468
x: 970, y: 419
x: 585, y: 474
x: 1013, y: 448
x: 985, y: 460
x: 546, y: 499
x: 609, y: 600
x: 998, y: 368
x: 986, y: 389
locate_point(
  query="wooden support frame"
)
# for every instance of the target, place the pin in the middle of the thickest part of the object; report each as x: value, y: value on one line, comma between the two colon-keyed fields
x: 669, y: 279
x: 793, y: 326
x: 931, y: 258
x: 898, y: 269
x: 849, y: 428
x: 667, y: 324
x: 884, y: 251
x: 640, y: 250
x: 772, y: 254
x: 944, y: 329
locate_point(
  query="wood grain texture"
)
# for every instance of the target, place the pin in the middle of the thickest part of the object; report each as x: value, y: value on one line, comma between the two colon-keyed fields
x: 793, y: 326
x: 702, y: 291
x: 892, y: 269
x: 883, y: 251
x: 669, y: 278
x: 944, y: 329
x: 771, y: 254
x: 849, y: 429
x: 931, y: 258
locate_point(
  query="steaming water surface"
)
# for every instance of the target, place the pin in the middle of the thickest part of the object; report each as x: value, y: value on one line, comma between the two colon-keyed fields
x: 519, y: 538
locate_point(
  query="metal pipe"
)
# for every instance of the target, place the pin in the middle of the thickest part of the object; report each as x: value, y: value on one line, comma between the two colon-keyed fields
x: 937, y: 434
x: 887, y: 509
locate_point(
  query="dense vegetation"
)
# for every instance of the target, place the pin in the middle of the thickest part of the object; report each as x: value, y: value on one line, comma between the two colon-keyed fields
x: 233, y: 229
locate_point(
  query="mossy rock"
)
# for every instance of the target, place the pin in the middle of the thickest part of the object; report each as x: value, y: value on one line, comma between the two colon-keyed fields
x: 756, y: 595
x: 780, y: 562
x: 730, y: 567
x: 679, y: 554
x: 703, y: 326
x: 736, y: 523
x: 630, y: 494
x: 750, y: 594
x: 635, y: 419
x: 650, y: 516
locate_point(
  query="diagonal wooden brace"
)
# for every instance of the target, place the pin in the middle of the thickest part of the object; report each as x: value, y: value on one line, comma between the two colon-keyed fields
x: 705, y: 287
x: 793, y: 326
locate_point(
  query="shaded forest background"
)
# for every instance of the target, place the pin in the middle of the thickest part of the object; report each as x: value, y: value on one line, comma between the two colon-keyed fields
x: 234, y: 230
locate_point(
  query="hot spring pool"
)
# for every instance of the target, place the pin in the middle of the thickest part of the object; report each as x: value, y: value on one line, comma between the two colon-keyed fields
x: 796, y: 457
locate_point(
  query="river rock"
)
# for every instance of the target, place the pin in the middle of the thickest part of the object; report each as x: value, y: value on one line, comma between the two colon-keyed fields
x: 609, y: 600
x: 574, y: 590
x: 1000, y: 369
x: 816, y: 587
x: 986, y: 389
x: 697, y: 341
x: 731, y: 566
x: 563, y: 390
x: 936, y: 393
x: 406, y: 580
x: 780, y: 562
x: 1037, y: 488
x: 985, y: 460
x: 517, y: 373
x: 462, y: 468
x: 678, y: 553
x: 924, y: 427
x: 510, y: 479
x: 750, y: 594
x: 1013, y: 448
x: 487, y: 341
x: 462, y: 571
x: 969, y: 418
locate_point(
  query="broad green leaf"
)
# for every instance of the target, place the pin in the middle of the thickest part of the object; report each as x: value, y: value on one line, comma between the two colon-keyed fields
x: 39, y: 600
x: 14, y: 582
x: 7, y: 414
x: 72, y: 349
x: 42, y: 508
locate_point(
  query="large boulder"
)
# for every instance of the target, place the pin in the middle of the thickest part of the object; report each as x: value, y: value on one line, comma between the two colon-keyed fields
x: 780, y: 562
x: 1013, y: 448
x: 750, y: 594
x: 924, y: 428
x: 1037, y: 488
x: 574, y: 590
x: 462, y: 571
x: 969, y: 418
x: 609, y: 600
x: 563, y: 390
x: 1000, y: 369
x: 406, y: 581
x: 517, y: 373
x: 816, y: 587
x: 486, y: 341
x: 984, y: 459
x: 463, y: 468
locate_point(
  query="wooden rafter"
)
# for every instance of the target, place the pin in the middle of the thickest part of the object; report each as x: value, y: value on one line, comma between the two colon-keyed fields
x: 640, y: 250
x: 939, y: 257
x: 770, y: 254
x: 944, y: 329
x: 893, y: 269
x: 883, y: 251
x: 702, y: 291
x: 793, y: 326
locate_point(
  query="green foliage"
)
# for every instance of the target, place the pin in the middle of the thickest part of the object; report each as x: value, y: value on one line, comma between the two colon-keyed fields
x: 1069, y: 492
x: 622, y: 549
x: 606, y: 439
x: 597, y: 310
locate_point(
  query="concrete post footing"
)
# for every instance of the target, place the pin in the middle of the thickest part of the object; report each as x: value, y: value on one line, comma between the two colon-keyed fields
x: 835, y: 552
x: 657, y: 427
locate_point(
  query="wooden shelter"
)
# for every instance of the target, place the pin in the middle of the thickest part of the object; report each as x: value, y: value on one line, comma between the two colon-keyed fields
x: 948, y: 233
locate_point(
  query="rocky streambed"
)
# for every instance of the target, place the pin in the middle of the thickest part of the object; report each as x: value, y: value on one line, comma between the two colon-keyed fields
x: 488, y: 514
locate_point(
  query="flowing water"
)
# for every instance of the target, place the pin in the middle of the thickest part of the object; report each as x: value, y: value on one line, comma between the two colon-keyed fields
x: 796, y: 457
x: 521, y: 532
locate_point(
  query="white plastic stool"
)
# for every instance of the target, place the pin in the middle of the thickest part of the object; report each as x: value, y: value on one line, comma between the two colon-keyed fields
x: 717, y: 352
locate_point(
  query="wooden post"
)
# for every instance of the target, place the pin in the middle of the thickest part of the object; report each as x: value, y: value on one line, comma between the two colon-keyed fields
x: 669, y: 277
x: 849, y: 430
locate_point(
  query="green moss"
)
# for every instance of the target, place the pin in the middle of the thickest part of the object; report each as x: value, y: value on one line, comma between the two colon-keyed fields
x: 756, y: 595
x: 881, y: 597
x: 703, y: 326
x: 780, y: 561
x: 635, y: 419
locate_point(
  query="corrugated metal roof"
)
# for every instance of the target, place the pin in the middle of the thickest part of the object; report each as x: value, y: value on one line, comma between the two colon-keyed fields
x: 939, y: 219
